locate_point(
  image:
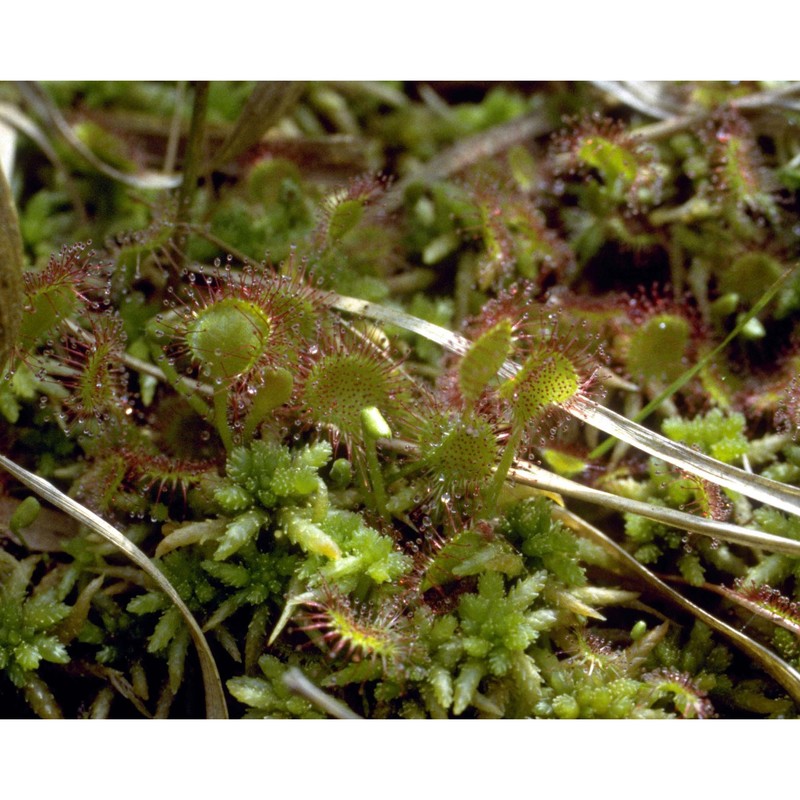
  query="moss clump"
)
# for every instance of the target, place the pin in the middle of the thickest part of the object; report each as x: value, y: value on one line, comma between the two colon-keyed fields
x: 346, y: 491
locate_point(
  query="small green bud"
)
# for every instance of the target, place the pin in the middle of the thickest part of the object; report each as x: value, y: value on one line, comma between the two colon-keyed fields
x: 25, y: 514
x: 563, y: 463
x: 439, y: 248
x: 638, y: 630
x: 374, y: 425
x: 753, y: 329
x: 425, y: 211
x: 725, y: 305
x: 341, y: 473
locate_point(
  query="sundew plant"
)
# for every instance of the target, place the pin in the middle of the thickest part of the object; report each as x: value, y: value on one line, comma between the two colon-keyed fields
x: 400, y: 400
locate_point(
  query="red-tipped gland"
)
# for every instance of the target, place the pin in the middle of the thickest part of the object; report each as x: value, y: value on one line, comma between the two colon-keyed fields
x: 515, y: 238
x: 458, y: 454
x: 344, y: 208
x: 660, y: 341
x: 245, y: 322
x: 769, y: 603
x: 591, y: 652
x: 701, y: 497
x: 165, y: 475
x: 556, y: 365
x: 546, y: 378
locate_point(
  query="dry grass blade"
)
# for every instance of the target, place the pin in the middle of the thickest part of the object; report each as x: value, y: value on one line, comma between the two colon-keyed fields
x: 25, y: 125
x: 786, y: 675
x: 466, y: 152
x: 434, y: 333
x: 215, y: 698
x: 300, y: 684
x: 646, y: 97
x: 49, y: 112
x: 779, y: 495
x: 531, y: 475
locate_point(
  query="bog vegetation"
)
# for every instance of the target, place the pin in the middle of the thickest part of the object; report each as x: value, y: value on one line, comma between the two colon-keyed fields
x: 400, y: 400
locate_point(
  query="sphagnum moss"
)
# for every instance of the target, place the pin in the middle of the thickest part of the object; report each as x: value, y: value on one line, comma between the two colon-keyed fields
x: 332, y: 499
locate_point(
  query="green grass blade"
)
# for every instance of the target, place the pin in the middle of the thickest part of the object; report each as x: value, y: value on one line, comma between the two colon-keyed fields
x: 683, y: 379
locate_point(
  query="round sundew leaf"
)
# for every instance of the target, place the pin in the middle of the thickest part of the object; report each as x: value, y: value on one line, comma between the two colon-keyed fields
x: 613, y: 161
x: 749, y: 274
x: 44, y: 308
x: 656, y: 348
x: 341, y: 385
x: 229, y: 337
x: 345, y: 216
x: 483, y: 359
x: 459, y: 452
x: 546, y: 378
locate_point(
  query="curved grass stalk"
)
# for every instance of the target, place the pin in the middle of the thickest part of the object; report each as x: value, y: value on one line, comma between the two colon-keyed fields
x: 779, y: 495
x: 786, y: 675
x: 460, y: 155
x: 295, y: 680
x: 531, y: 475
x: 215, y: 697
x: 44, y: 106
x: 25, y: 125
